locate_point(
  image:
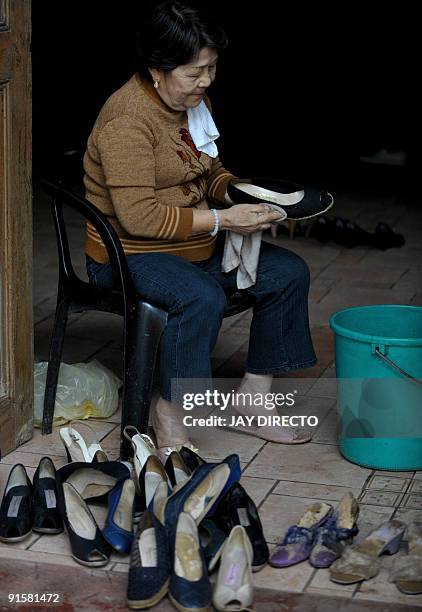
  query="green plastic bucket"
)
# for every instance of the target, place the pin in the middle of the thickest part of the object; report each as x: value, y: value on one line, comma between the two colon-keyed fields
x: 378, y: 356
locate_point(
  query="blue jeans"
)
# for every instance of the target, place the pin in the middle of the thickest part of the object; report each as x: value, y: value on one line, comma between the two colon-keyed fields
x: 193, y: 294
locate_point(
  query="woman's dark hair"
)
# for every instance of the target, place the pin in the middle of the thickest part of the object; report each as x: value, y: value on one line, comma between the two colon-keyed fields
x: 173, y: 33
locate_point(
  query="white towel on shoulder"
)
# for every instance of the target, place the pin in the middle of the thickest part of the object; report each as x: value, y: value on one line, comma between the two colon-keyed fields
x: 203, y: 129
x: 242, y: 252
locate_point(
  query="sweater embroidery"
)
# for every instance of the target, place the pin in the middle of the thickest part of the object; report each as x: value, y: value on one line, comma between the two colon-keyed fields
x: 187, y: 138
x: 195, y: 189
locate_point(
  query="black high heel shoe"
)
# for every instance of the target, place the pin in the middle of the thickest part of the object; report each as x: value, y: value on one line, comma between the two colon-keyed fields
x: 46, y: 484
x: 237, y: 508
x: 86, y: 540
x: 16, y: 506
x: 191, y: 459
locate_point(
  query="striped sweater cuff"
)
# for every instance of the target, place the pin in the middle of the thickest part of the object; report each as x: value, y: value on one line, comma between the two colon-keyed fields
x: 177, y: 224
x: 218, y: 186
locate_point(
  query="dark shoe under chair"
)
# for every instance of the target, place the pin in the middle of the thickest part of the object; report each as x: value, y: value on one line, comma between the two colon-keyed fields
x: 16, y: 506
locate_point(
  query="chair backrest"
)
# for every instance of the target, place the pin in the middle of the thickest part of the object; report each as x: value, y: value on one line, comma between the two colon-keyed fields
x: 238, y: 300
x: 121, y: 276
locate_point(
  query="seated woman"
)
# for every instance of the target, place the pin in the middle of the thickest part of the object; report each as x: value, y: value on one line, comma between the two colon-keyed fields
x: 156, y: 186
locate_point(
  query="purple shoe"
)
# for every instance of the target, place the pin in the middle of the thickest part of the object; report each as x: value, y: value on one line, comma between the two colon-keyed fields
x: 335, y: 533
x: 297, y: 544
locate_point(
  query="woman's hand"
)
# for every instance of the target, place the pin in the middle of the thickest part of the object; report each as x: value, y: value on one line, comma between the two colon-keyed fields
x: 248, y: 218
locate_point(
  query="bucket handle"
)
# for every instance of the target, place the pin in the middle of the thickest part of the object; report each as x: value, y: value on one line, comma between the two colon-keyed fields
x: 395, y: 366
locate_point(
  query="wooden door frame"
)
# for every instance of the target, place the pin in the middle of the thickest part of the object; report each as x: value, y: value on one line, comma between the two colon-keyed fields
x: 16, y: 321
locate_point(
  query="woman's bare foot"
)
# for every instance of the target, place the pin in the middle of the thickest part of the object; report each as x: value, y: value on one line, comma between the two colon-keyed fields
x: 167, y: 424
x: 252, y: 388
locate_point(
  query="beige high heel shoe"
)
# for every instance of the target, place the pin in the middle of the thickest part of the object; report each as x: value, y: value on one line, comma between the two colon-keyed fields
x: 234, y: 586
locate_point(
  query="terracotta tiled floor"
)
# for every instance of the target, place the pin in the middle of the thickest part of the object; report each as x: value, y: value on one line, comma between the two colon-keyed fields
x: 282, y: 480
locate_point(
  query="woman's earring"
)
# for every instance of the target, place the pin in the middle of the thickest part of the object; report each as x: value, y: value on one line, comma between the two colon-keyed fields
x: 156, y: 84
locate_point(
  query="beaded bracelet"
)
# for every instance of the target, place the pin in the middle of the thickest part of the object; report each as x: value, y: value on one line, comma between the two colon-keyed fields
x: 214, y: 232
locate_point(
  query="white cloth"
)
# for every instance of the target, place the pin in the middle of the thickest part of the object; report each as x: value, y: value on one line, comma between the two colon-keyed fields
x: 242, y: 252
x: 203, y: 129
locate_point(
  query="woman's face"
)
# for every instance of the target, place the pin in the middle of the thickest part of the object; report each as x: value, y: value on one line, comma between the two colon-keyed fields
x: 184, y: 87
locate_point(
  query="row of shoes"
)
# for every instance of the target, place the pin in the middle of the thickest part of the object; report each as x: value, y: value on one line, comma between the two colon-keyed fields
x: 58, y: 498
x: 349, y: 234
x: 194, y: 516
x: 323, y: 536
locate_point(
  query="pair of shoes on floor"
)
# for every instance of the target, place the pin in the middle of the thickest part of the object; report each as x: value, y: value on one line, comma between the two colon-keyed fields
x: 94, y: 481
x: 174, y: 563
x: 166, y: 554
x: 30, y: 506
x: 298, y: 202
x: 362, y: 562
x: 102, y: 483
x: 107, y: 482
x: 320, y: 535
x: 79, y: 447
x: 348, y: 234
x: 168, y: 562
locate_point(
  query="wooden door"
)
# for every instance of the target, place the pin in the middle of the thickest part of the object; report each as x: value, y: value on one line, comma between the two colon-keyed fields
x: 16, y: 344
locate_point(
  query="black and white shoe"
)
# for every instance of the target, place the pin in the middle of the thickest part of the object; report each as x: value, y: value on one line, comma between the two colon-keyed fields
x: 298, y: 201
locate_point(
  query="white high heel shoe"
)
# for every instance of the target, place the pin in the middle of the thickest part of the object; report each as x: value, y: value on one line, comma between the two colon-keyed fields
x: 234, y: 586
x: 142, y: 446
x: 77, y: 447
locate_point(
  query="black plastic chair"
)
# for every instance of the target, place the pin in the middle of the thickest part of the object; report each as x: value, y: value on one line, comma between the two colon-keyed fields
x: 143, y: 322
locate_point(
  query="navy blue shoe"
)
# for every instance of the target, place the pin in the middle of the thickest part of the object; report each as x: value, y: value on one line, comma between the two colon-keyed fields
x: 235, y: 474
x: 198, y: 494
x: 118, y: 530
x: 190, y: 588
x: 149, y: 571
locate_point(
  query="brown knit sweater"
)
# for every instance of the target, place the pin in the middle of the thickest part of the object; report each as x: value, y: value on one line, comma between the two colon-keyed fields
x: 144, y: 172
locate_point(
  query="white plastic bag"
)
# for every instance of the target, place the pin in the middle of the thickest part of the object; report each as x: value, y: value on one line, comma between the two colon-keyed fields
x: 84, y: 390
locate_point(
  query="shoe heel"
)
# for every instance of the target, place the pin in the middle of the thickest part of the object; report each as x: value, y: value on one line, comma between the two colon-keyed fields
x: 69, y: 458
x: 392, y: 547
